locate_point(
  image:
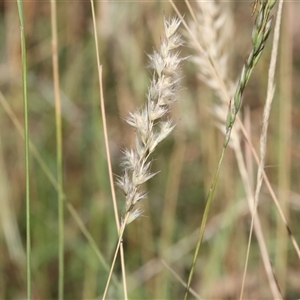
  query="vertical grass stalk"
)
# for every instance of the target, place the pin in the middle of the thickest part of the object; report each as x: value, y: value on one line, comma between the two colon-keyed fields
x: 260, y: 33
x: 120, y: 242
x: 284, y: 141
x: 263, y: 141
x: 219, y: 86
x: 102, y: 105
x: 26, y: 144
x: 204, y: 220
x: 58, y: 151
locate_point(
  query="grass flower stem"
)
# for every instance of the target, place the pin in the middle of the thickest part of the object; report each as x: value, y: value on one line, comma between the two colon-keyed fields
x: 272, y: 193
x: 263, y: 141
x: 260, y: 34
x: 204, y: 220
x: 244, y: 132
x: 59, y: 163
x: 285, y: 135
x: 256, y: 224
x: 26, y: 144
x: 114, y: 199
x: 102, y: 104
x: 120, y: 242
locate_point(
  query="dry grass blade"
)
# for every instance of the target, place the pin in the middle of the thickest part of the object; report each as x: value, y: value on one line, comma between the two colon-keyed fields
x: 102, y: 104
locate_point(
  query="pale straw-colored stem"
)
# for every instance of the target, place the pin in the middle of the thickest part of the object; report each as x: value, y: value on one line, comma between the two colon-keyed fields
x: 102, y: 104
x: 260, y: 34
x: 59, y: 162
x: 120, y: 242
x: 26, y: 145
x: 263, y: 141
x: 285, y: 137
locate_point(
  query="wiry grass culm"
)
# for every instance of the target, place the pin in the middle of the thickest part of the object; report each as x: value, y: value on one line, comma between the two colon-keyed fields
x: 285, y: 118
x: 151, y: 124
x: 260, y: 33
x: 59, y: 162
x: 103, y: 114
x: 26, y: 144
x: 211, y: 23
x: 263, y: 141
x: 210, y: 34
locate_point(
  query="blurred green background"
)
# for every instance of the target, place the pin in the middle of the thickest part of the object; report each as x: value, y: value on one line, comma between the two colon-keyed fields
x: 127, y: 31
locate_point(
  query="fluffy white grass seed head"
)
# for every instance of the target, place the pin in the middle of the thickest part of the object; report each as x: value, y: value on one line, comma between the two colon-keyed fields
x: 151, y: 122
x: 213, y: 29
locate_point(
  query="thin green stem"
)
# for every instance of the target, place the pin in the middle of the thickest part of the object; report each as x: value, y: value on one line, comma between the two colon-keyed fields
x: 58, y: 151
x: 260, y: 33
x: 263, y: 141
x: 204, y: 220
x: 26, y: 142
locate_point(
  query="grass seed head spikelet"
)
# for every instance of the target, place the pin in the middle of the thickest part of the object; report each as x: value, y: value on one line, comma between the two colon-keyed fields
x: 150, y: 122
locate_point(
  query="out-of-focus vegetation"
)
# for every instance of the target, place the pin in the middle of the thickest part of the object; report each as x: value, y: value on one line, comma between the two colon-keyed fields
x: 187, y: 160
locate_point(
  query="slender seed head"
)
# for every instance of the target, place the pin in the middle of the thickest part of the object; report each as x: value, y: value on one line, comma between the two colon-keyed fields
x: 150, y: 122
